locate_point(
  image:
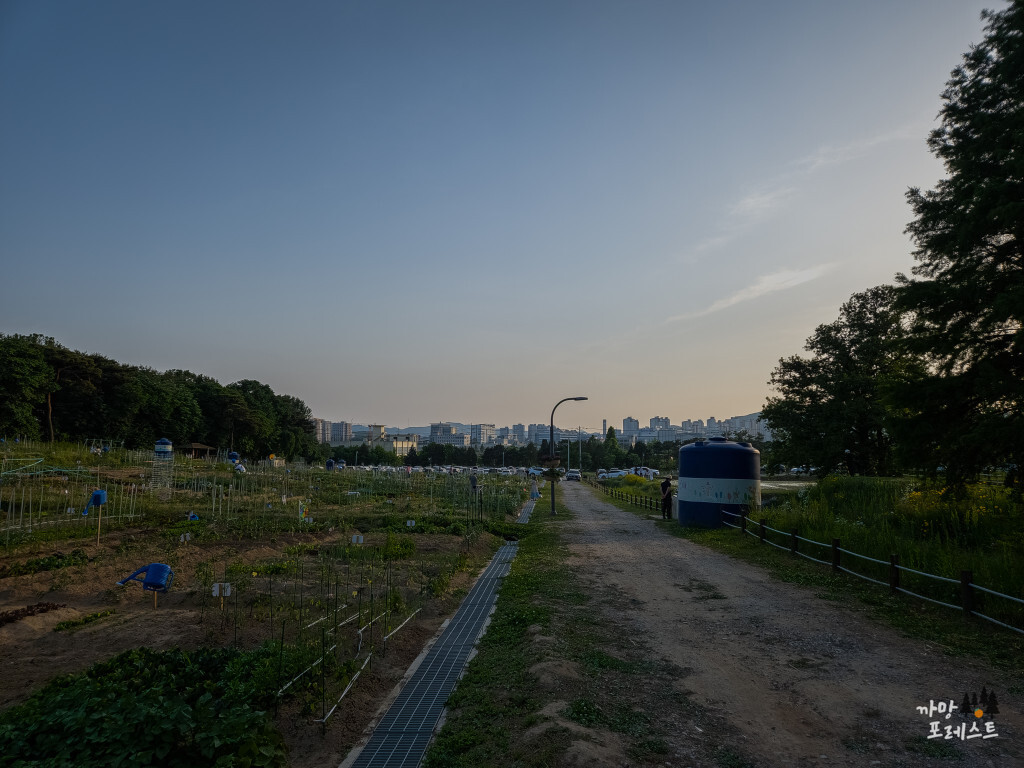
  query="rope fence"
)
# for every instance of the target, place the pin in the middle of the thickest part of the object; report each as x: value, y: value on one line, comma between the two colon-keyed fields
x: 968, y: 597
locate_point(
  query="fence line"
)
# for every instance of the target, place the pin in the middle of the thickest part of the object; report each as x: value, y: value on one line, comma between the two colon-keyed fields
x: 966, y: 582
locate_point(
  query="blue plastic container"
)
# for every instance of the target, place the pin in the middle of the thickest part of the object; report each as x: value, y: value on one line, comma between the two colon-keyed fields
x: 164, y: 449
x: 98, y: 498
x: 716, y: 475
x: 155, y: 577
x: 158, y: 577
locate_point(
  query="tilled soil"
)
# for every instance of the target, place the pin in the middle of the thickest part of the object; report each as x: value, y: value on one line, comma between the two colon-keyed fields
x: 794, y: 680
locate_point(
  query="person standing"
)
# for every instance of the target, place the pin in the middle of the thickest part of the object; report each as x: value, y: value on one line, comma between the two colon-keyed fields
x: 472, y: 481
x: 534, y: 491
x: 666, y: 499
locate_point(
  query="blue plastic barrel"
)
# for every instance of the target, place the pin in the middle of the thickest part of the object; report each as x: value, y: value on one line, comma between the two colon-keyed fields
x: 716, y: 475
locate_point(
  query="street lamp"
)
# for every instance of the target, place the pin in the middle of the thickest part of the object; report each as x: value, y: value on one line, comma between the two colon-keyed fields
x: 551, y: 446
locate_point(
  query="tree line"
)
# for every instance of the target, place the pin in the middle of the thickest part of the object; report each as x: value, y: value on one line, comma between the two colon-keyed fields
x: 50, y: 392
x: 928, y: 373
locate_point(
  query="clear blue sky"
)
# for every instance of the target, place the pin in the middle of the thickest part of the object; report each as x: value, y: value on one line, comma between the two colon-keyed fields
x: 406, y: 212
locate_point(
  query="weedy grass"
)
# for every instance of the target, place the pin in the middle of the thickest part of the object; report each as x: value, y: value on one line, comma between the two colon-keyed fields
x: 930, y: 529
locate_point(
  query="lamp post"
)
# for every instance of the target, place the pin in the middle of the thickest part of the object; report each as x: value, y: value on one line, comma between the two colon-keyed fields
x: 551, y: 446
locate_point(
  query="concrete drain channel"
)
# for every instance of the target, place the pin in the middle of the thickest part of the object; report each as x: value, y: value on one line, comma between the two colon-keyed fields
x: 401, y: 737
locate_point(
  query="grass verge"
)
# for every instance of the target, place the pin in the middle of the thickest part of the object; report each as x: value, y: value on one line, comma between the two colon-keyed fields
x: 560, y: 677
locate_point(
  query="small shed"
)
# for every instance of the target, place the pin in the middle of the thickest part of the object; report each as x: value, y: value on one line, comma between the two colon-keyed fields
x: 200, y: 451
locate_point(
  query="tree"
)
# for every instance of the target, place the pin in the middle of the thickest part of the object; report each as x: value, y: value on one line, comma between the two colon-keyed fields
x: 830, y: 412
x: 25, y: 383
x: 967, y: 296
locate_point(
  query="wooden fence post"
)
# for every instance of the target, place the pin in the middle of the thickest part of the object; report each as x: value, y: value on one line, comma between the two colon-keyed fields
x: 967, y: 592
x: 760, y: 532
x: 835, y: 555
x: 894, y: 572
x: 743, y: 524
x: 792, y: 540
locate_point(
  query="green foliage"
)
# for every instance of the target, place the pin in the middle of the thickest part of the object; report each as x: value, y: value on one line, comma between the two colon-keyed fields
x: 48, y: 389
x: 48, y: 563
x: 145, y: 707
x: 931, y: 529
x: 830, y: 412
x: 76, y: 623
x: 967, y: 297
x: 25, y: 381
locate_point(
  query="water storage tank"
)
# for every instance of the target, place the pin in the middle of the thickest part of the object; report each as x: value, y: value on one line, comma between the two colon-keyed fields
x: 163, y: 449
x: 717, y: 474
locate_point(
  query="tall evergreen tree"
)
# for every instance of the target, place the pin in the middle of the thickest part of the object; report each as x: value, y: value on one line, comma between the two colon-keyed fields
x: 967, y: 293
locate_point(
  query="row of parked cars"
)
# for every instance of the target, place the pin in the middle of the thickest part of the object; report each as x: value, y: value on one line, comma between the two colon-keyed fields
x: 645, y: 472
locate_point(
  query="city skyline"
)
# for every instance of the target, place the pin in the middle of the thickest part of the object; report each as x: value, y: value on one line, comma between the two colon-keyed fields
x: 416, y: 212
x: 476, y: 432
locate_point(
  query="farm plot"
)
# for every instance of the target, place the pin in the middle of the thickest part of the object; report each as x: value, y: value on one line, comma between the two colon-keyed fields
x: 336, y: 583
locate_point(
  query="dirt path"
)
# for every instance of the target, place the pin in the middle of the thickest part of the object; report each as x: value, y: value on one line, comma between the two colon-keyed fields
x: 803, y: 681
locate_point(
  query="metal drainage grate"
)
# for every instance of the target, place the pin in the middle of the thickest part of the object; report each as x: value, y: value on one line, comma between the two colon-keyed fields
x: 524, y: 516
x: 401, y: 737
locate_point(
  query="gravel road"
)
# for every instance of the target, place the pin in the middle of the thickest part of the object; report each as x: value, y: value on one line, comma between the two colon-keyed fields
x: 804, y: 681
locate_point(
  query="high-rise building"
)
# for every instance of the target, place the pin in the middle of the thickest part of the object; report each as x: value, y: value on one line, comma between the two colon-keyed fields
x: 660, y: 422
x: 322, y: 430
x: 481, y: 434
x: 444, y: 433
x: 630, y: 426
x: 519, y: 433
x: 341, y: 432
x: 538, y: 433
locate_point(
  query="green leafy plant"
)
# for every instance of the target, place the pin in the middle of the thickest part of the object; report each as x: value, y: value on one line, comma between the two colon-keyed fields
x: 146, y: 707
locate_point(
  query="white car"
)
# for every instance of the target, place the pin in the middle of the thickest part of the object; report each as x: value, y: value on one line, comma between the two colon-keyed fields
x: 573, y: 474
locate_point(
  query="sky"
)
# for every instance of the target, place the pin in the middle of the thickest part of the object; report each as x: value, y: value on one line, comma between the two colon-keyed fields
x: 410, y: 212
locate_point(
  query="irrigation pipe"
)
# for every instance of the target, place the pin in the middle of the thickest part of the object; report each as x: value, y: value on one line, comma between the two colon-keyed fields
x: 347, y: 688
x: 389, y: 634
x: 325, y: 617
x: 310, y: 667
x: 360, y: 631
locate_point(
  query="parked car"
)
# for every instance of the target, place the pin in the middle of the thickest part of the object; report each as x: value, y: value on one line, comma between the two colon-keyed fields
x: 573, y: 474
